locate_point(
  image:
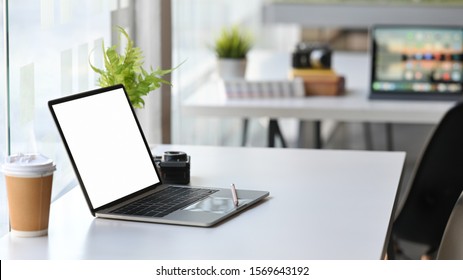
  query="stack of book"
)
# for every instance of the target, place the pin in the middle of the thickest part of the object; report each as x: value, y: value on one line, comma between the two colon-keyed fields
x: 320, y: 81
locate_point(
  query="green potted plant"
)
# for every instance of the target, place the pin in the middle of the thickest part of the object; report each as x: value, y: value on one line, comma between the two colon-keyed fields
x: 231, y: 47
x: 127, y: 69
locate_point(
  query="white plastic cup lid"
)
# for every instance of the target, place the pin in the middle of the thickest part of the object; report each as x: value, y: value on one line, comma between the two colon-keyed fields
x: 28, y: 165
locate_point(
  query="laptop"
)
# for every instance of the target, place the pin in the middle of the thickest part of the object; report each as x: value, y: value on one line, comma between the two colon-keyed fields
x: 117, y: 173
x: 416, y: 62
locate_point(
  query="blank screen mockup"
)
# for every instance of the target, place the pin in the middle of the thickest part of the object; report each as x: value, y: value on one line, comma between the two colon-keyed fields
x: 107, y: 146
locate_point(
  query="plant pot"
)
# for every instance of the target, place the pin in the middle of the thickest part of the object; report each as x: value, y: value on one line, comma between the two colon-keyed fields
x: 230, y: 68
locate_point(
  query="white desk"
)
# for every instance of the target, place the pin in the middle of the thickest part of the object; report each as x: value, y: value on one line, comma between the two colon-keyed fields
x: 352, y: 107
x: 323, y: 205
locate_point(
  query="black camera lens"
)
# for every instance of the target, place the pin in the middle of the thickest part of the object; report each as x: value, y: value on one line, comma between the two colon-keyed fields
x: 175, y: 156
x: 320, y: 58
x: 311, y: 55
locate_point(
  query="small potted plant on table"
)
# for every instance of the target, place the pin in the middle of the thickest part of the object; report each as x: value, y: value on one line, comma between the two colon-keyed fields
x: 231, y: 48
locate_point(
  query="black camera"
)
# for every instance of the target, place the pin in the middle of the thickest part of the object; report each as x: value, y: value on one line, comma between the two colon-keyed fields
x: 174, y: 167
x: 312, y: 56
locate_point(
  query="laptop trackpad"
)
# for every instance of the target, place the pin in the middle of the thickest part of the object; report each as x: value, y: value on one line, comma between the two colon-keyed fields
x: 218, y: 205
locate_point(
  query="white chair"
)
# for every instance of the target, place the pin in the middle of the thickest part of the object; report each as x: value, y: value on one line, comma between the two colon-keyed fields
x: 451, y: 247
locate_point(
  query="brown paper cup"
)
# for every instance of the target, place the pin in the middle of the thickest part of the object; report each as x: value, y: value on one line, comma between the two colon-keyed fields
x: 28, y: 184
x: 29, y: 204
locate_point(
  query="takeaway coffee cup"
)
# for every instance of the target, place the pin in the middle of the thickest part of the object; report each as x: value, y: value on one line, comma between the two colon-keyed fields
x: 28, y: 182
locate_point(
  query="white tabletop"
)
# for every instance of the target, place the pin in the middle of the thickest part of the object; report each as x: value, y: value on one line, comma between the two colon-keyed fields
x: 323, y: 204
x: 354, y: 106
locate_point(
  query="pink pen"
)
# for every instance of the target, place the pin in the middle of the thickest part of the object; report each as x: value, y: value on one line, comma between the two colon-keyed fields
x: 234, y: 194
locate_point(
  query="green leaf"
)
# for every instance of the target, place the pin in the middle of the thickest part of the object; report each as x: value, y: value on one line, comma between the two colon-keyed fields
x: 126, y: 68
x: 232, y: 43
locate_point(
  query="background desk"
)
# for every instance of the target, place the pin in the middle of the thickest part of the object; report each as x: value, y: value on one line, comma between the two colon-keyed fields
x: 323, y: 205
x: 352, y: 107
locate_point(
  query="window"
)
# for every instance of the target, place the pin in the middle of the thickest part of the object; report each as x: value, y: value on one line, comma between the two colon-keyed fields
x: 195, y: 24
x: 50, y: 45
x: 3, y: 128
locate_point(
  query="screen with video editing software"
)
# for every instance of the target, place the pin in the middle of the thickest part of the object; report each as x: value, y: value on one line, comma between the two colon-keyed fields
x: 417, y: 62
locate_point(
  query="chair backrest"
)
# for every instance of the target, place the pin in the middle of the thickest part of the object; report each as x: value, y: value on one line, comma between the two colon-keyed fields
x: 436, y: 186
x: 451, y: 247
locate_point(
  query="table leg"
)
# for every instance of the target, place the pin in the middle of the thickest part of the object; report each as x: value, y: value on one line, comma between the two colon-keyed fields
x: 273, y: 132
x: 318, y: 135
x: 245, y: 132
x: 367, y: 136
x: 310, y: 134
x: 389, y: 137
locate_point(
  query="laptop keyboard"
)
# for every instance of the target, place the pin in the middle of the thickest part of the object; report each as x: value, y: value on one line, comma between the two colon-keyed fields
x: 162, y: 203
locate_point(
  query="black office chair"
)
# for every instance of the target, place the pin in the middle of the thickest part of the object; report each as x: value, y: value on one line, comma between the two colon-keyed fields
x: 451, y: 246
x: 436, y: 186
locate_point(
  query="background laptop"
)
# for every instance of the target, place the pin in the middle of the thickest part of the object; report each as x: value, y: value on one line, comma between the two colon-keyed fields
x: 416, y: 62
x: 116, y: 171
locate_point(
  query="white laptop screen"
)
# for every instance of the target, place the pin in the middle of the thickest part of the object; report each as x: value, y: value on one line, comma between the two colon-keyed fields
x: 107, y: 146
